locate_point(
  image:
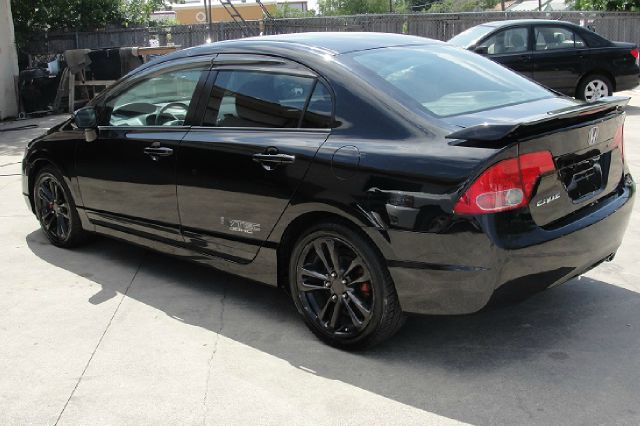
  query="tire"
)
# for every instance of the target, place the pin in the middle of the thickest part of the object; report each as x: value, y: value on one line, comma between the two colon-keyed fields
x: 55, y: 209
x: 360, y: 284
x: 593, y: 87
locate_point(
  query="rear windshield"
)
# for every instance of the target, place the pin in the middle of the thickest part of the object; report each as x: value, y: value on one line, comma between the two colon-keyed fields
x: 467, y: 37
x: 443, y: 80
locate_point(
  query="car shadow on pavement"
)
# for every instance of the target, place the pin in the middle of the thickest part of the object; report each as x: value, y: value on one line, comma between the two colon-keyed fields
x: 566, y: 355
x: 632, y: 110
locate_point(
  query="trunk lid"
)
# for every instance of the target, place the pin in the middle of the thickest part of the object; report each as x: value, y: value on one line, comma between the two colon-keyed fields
x: 582, y: 139
x: 624, y: 44
x: 628, y: 49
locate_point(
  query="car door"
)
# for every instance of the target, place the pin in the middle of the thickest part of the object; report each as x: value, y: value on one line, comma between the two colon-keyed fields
x: 263, y: 123
x: 558, y: 57
x: 127, y: 175
x: 509, y: 47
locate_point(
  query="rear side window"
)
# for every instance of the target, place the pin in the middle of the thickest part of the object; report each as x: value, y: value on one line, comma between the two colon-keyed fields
x: 512, y: 40
x: 555, y: 38
x: 443, y: 80
x: 257, y: 99
x: 593, y: 39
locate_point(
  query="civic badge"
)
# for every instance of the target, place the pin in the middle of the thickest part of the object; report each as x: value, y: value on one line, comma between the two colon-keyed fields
x: 546, y: 200
x: 592, y: 139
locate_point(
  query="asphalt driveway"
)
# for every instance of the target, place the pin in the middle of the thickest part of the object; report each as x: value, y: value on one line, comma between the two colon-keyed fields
x: 114, y: 334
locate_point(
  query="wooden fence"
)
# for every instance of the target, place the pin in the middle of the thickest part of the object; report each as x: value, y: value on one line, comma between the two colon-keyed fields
x: 442, y: 26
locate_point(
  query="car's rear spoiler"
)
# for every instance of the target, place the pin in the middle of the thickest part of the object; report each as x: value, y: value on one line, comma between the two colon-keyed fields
x: 488, y: 134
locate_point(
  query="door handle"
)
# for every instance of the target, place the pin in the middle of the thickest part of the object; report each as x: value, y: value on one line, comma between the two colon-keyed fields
x: 158, y: 151
x: 274, y: 159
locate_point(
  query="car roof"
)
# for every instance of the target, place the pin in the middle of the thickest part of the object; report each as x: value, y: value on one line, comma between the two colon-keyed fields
x: 498, y: 24
x: 339, y: 42
x: 296, y: 44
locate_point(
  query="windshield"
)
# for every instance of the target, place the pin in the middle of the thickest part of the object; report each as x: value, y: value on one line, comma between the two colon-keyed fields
x: 468, y: 37
x: 444, y: 80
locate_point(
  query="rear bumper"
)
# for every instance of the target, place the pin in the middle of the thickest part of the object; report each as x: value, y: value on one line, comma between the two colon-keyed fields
x: 626, y: 82
x: 470, y: 268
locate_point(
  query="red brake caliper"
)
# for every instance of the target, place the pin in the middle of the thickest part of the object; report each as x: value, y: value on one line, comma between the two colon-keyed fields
x: 365, y: 288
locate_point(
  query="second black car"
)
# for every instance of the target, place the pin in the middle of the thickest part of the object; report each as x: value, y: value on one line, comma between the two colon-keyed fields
x: 559, y: 55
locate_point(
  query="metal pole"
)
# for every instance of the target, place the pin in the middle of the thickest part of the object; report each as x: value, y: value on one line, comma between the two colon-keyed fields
x: 210, y: 22
x: 206, y: 11
x: 207, y: 15
x: 539, y: 5
x: 390, y: 6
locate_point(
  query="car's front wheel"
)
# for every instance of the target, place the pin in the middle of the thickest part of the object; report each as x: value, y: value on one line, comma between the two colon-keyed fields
x: 56, y: 210
x: 342, y: 288
x: 594, y: 87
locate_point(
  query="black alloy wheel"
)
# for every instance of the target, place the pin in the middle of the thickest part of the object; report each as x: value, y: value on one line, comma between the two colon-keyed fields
x: 55, y: 209
x: 342, y: 289
x: 336, y: 285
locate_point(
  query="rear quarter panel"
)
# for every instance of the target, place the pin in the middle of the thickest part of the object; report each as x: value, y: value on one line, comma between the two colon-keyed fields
x: 400, y: 192
x: 615, y: 63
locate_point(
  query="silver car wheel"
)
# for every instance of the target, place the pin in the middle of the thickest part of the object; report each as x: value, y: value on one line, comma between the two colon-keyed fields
x: 595, y: 90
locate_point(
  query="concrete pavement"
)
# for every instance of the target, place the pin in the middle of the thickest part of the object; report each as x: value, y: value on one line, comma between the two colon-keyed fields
x: 114, y: 334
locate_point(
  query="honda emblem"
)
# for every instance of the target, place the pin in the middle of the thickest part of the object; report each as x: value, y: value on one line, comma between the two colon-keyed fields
x: 592, y: 139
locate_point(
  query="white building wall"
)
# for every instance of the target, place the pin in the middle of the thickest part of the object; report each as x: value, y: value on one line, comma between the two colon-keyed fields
x: 8, y: 63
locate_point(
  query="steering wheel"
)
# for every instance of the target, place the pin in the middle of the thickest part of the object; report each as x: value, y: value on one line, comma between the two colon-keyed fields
x: 170, y: 105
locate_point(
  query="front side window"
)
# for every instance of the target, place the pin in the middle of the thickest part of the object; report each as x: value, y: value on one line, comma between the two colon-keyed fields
x: 555, y: 38
x: 159, y: 100
x: 246, y: 98
x: 443, y: 80
x: 512, y: 40
x: 467, y: 37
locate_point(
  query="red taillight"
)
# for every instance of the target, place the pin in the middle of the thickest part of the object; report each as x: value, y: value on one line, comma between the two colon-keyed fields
x: 618, y: 141
x: 506, y: 185
x: 634, y: 52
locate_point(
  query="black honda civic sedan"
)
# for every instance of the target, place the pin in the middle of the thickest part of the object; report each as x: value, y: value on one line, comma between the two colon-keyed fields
x: 369, y: 175
x: 559, y: 55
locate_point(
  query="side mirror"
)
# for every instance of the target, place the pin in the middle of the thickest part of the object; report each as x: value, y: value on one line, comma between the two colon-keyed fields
x: 85, y: 119
x: 481, y: 50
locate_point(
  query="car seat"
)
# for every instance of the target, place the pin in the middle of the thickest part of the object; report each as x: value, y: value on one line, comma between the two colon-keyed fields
x: 517, y: 43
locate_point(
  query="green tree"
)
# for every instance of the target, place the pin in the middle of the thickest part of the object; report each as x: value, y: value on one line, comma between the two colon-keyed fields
x: 354, y: 7
x: 137, y: 12
x: 622, y: 5
x: 33, y: 16
x: 418, y: 5
x: 452, y: 6
x: 284, y: 10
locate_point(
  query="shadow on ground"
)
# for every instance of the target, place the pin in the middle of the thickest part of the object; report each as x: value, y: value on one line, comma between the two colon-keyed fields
x: 566, y: 356
x: 632, y: 110
x: 13, y: 142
